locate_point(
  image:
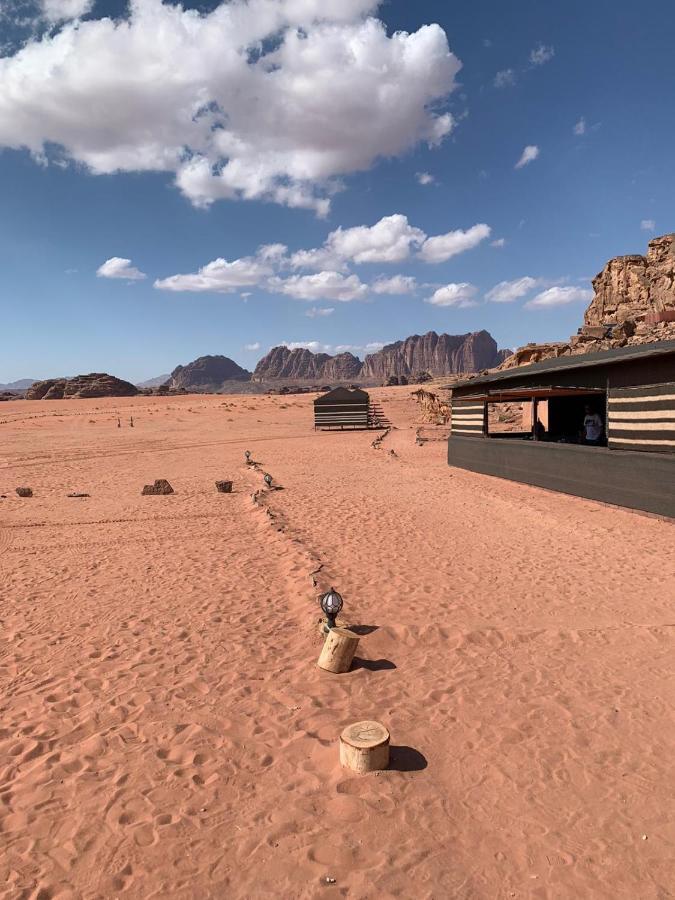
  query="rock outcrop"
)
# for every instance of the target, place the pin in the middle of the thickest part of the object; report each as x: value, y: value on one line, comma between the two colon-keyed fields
x: 633, y: 303
x: 96, y: 384
x: 635, y: 287
x: 343, y: 367
x: 438, y: 354
x: 435, y: 354
x: 434, y: 409
x: 282, y: 362
x: 302, y: 364
x: 207, y: 373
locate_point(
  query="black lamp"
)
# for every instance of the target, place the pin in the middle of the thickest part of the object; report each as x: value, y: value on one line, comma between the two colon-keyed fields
x: 267, y: 478
x: 331, y: 604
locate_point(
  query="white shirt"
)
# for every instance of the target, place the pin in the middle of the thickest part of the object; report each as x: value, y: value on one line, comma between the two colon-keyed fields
x: 592, y: 426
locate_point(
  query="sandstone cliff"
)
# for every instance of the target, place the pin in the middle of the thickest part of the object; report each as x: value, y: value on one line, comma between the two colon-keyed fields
x: 635, y: 287
x: 96, y: 384
x: 343, y: 367
x: 207, y: 373
x: 302, y: 364
x: 633, y: 303
x: 437, y: 354
x: 281, y: 362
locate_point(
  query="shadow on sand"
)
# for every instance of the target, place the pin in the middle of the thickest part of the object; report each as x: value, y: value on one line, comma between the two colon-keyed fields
x: 363, y: 629
x: 372, y: 665
x: 406, y: 759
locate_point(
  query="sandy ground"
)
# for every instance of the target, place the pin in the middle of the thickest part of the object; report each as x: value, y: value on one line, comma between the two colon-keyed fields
x: 165, y: 732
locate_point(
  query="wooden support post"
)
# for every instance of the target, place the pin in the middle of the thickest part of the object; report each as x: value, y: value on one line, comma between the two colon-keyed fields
x: 338, y: 650
x: 535, y: 419
x: 364, y: 747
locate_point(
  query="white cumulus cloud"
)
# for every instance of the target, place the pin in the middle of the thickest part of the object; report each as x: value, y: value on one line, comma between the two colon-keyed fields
x: 500, y: 242
x: 264, y: 99
x: 461, y: 295
x: 219, y: 276
x: 393, y: 239
x: 559, y: 296
x: 254, y: 346
x: 508, y: 291
x: 63, y: 10
x: 320, y: 286
x: 396, y: 285
x: 314, y: 346
x: 319, y: 312
x: 529, y: 154
x: 648, y: 225
x: 580, y: 127
x: 444, y: 246
x: 118, y: 267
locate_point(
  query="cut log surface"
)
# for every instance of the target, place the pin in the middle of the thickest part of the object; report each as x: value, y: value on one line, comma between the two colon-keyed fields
x: 338, y: 650
x: 364, y: 747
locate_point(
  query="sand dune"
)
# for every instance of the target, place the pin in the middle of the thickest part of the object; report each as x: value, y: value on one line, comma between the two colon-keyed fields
x: 165, y: 732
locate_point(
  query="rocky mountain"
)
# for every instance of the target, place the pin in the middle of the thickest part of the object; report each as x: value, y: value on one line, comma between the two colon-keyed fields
x: 438, y: 354
x: 153, y: 382
x: 635, y: 287
x: 281, y: 362
x: 302, y: 364
x: 343, y: 367
x: 21, y: 385
x: 208, y: 373
x: 96, y: 384
x: 633, y: 303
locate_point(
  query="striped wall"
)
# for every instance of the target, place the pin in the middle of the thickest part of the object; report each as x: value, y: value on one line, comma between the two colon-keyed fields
x: 468, y: 417
x: 642, y: 418
x: 341, y: 415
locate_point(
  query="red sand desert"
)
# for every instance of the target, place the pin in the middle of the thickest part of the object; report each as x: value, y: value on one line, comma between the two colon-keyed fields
x: 165, y: 732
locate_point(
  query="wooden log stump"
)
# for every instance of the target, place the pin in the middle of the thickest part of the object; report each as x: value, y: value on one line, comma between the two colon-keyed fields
x: 338, y: 650
x: 364, y: 747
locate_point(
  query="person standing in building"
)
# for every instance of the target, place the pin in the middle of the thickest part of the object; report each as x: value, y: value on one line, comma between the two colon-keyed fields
x: 593, y: 427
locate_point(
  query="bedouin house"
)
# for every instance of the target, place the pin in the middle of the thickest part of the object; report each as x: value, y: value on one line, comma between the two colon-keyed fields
x: 342, y: 408
x: 527, y: 424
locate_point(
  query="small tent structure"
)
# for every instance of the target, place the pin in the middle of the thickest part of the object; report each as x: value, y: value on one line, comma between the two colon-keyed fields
x: 342, y: 408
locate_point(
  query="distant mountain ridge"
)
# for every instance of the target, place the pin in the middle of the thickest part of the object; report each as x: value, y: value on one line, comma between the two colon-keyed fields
x: 21, y: 385
x: 432, y: 353
x: 437, y: 354
x: 153, y: 382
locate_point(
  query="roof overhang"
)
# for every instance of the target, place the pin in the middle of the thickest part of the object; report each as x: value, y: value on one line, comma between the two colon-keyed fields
x: 503, y: 395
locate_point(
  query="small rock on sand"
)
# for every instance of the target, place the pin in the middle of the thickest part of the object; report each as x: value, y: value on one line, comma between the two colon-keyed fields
x: 161, y: 486
x: 224, y: 487
x: 24, y: 491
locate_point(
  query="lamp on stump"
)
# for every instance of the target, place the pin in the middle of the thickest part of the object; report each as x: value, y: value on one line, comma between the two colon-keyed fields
x: 331, y: 604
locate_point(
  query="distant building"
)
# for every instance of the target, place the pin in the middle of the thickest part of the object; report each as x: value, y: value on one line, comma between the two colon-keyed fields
x: 342, y: 408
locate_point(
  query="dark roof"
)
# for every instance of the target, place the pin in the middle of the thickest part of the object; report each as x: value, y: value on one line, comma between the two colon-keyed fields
x: 566, y: 363
x: 342, y: 395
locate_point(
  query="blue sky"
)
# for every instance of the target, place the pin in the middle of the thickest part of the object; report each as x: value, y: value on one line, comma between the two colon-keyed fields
x: 156, y: 139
